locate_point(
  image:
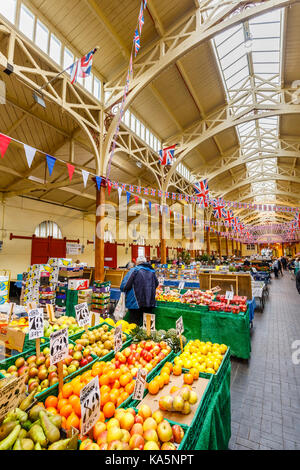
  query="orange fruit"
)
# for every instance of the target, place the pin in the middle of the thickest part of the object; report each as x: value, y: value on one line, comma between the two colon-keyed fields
x: 188, y: 379
x: 62, y: 402
x: 118, y: 373
x: 177, y: 370
x: 153, y: 387
x: 119, y: 401
x: 66, y: 410
x: 52, y: 410
x: 125, y: 379
x: 169, y: 365
x: 160, y: 381
x: 104, y: 389
x: 72, y: 420
x: 73, y: 400
x: 129, y: 388
x: 112, y: 376
x: 114, y: 395
x: 101, y: 417
x: 51, y: 401
x: 104, y: 379
x: 77, y: 409
x: 124, y: 396
x: 86, y: 375
x: 195, y: 373
x: 63, y: 422
x: 109, y: 410
x: 165, y: 377
x: 105, y: 398
x: 116, y: 384
x: 77, y: 387
x: 67, y: 390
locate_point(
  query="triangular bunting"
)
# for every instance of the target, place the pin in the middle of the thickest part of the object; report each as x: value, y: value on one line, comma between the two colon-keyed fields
x: 30, y: 153
x: 150, y: 205
x: 143, y: 204
x: 71, y: 169
x: 4, y: 143
x: 85, y: 176
x: 128, y: 196
x: 136, y: 199
x: 161, y: 208
x: 50, y: 162
x: 98, y: 181
x: 109, y: 185
x: 120, y: 192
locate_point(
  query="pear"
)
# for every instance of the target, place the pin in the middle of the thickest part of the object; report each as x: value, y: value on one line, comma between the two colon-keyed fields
x: 51, y: 431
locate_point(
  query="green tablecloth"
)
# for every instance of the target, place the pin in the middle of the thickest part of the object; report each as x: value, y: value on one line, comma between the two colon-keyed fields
x: 216, y: 430
x: 228, y: 328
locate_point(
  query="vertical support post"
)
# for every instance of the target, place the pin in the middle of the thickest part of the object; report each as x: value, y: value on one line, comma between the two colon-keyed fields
x: 226, y: 241
x: 219, y: 242
x: 208, y: 240
x: 99, y: 233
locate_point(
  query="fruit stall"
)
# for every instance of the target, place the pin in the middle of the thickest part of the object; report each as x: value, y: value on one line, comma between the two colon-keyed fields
x: 156, y: 391
x: 208, y: 316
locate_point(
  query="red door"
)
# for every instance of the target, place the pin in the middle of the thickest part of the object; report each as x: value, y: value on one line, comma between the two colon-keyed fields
x: 110, y: 255
x: 44, y: 248
x: 147, y: 252
x: 134, y: 252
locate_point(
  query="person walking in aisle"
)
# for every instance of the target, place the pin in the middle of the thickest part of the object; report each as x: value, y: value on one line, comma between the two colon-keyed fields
x: 284, y: 262
x: 280, y: 267
x: 140, y: 285
x: 275, y: 268
x: 298, y: 281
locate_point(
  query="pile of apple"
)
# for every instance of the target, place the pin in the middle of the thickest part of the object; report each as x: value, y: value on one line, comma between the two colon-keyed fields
x: 146, y: 354
x: 129, y: 430
x: 197, y: 297
x: 99, y: 341
x: 181, y: 402
x: 236, y: 305
x: 62, y: 322
x: 38, y: 371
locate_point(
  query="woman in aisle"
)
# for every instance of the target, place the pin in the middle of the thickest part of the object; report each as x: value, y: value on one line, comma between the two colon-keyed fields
x: 140, y: 285
x: 275, y: 268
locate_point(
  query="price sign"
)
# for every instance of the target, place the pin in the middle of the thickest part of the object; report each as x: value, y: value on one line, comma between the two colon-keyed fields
x: 83, y: 317
x: 167, y: 290
x: 229, y: 295
x: 90, y: 405
x: 139, y: 388
x: 10, y: 395
x: 151, y: 322
x: 118, y: 338
x: 179, y: 326
x: 36, y: 323
x: 216, y: 289
x: 161, y: 281
x: 181, y: 285
x: 59, y: 346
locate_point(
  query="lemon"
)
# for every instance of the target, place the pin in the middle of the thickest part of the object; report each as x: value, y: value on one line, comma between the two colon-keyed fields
x: 216, y: 366
x: 209, y: 370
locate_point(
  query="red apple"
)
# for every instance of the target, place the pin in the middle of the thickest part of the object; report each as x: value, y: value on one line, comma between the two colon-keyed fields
x: 178, y: 433
x: 137, y: 428
x: 136, y: 441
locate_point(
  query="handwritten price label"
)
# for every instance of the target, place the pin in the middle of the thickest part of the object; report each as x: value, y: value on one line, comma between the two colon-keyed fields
x: 90, y: 405
x: 36, y: 323
x: 179, y: 326
x: 83, y: 317
x: 59, y: 346
x: 139, y: 388
x: 118, y: 339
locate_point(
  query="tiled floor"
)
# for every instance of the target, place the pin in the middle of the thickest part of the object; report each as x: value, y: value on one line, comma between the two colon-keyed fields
x: 265, y: 392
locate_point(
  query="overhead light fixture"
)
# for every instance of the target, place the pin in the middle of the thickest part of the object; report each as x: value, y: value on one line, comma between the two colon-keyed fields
x: 139, y: 164
x: 248, y: 43
x: 39, y: 99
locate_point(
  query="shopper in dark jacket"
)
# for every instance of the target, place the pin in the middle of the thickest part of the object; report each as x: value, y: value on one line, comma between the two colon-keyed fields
x: 140, y: 285
x: 298, y: 281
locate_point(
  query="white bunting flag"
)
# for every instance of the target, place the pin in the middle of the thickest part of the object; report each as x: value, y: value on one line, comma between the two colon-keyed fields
x: 120, y: 192
x: 143, y: 204
x: 30, y: 153
x: 85, y: 176
x: 161, y: 208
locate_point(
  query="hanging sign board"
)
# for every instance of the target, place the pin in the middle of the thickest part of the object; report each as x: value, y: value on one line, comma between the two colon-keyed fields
x: 83, y: 316
x: 73, y: 248
x: 161, y: 281
x: 59, y: 346
x: 36, y: 323
x: 90, y: 405
x: 118, y: 339
x: 181, y: 285
x: 139, y: 388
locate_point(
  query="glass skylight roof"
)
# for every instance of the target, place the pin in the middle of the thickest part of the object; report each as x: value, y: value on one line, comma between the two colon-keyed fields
x: 243, y: 68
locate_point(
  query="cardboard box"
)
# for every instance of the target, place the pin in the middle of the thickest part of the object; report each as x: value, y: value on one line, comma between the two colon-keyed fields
x: 78, y: 284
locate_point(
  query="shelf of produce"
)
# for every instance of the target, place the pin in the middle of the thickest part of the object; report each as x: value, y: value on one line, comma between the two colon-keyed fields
x: 218, y: 327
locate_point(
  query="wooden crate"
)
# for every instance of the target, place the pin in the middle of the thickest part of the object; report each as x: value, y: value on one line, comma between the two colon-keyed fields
x: 115, y: 276
x: 241, y: 282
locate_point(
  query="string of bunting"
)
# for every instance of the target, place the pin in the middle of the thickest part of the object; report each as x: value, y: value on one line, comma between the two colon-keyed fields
x: 201, y: 197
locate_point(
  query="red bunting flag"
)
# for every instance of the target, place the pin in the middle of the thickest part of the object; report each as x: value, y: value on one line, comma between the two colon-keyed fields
x: 4, y: 143
x: 109, y: 185
x: 71, y: 169
x: 136, y: 199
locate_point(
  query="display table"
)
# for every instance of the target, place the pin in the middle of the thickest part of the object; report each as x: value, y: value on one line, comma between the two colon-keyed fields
x: 216, y: 430
x: 217, y: 327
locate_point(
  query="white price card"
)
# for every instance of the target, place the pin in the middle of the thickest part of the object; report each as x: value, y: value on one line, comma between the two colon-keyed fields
x: 229, y: 295
x: 59, y: 346
x: 161, y: 281
x: 90, y: 405
x: 152, y: 321
x: 118, y: 339
x: 179, y: 326
x: 139, y: 388
x: 181, y: 285
x: 167, y: 290
x: 36, y: 323
x: 83, y: 316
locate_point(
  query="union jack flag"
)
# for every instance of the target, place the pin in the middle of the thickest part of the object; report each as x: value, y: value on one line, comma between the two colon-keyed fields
x: 138, y: 189
x: 130, y: 65
x: 159, y: 193
x: 167, y: 194
x: 136, y: 41
x: 187, y: 198
x: 115, y: 184
x: 131, y: 188
x: 219, y: 208
x: 174, y: 196
x: 82, y: 67
x: 152, y: 192
x: 141, y: 18
x: 146, y: 191
x: 166, y: 155
x: 296, y: 222
x: 235, y: 224
x: 202, y: 191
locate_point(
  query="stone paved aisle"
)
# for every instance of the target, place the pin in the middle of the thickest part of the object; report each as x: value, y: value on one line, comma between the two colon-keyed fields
x: 265, y: 393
